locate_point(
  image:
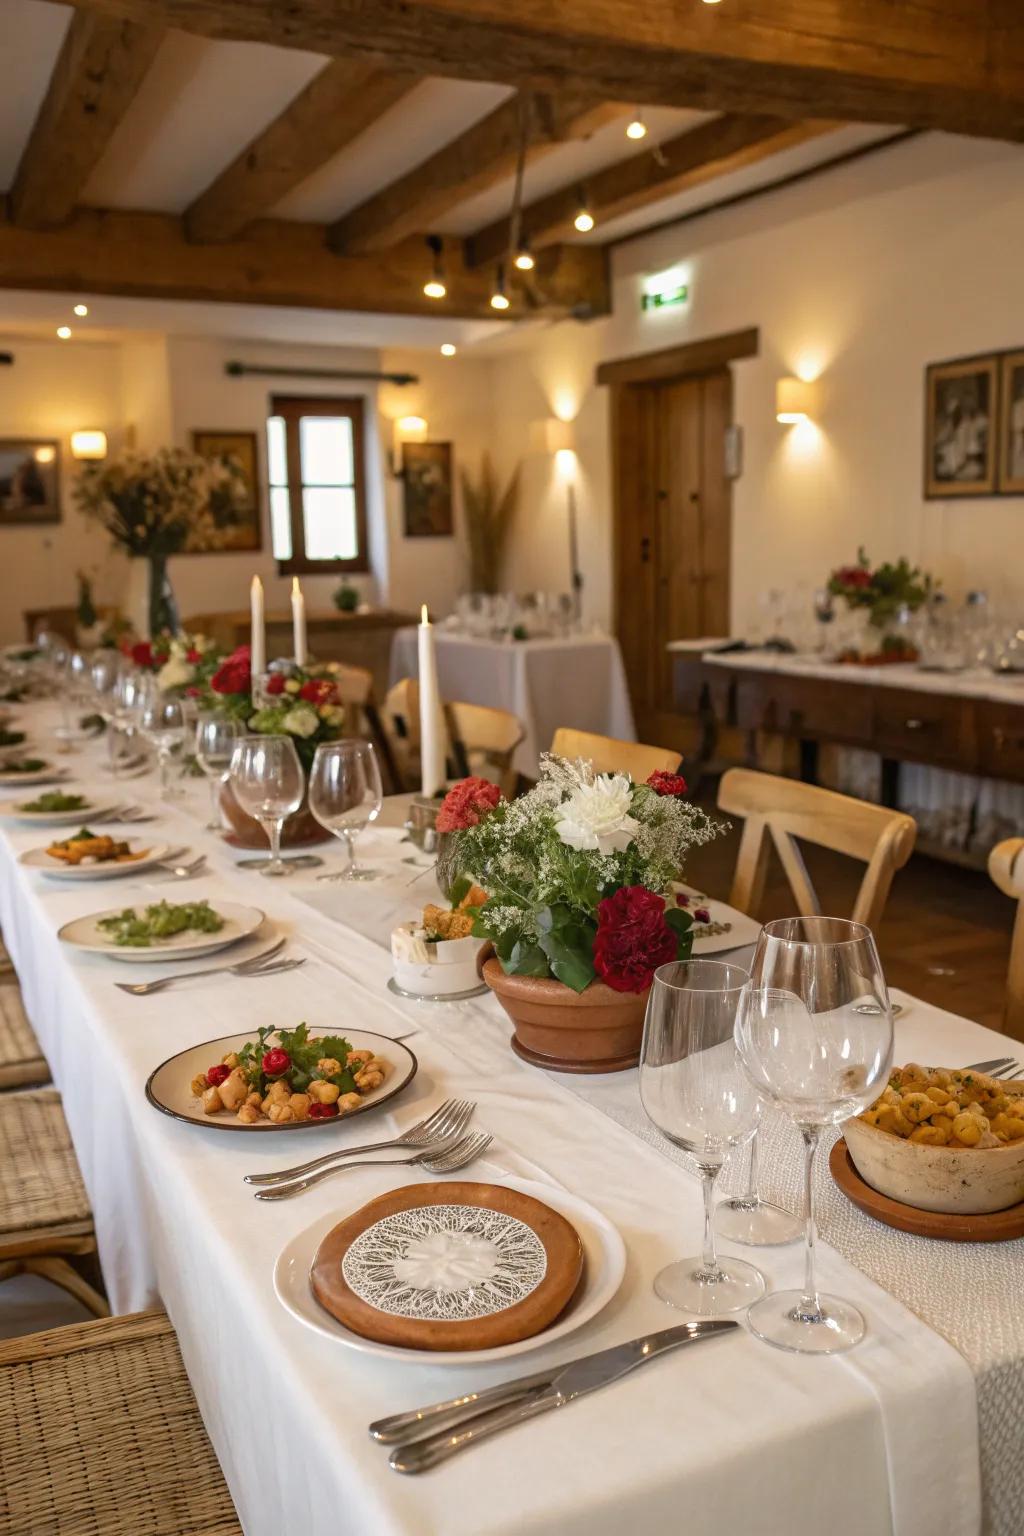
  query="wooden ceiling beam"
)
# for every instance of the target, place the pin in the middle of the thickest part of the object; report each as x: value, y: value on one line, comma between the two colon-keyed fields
x: 337, y: 105
x: 724, y: 144
x: 956, y: 65
x: 145, y: 255
x: 479, y: 158
x: 101, y: 64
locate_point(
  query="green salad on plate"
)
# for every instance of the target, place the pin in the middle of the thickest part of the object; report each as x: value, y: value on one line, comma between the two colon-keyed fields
x: 161, y: 920
x: 55, y: 800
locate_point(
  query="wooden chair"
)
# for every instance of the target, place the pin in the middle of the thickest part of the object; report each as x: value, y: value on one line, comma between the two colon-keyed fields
x: 481, y: 740
x: 1006, y: 866
x: 100, y: 1435
x: 362, y: 718
x: 611, y: 756
x: 778, y: 811
x: 22, y: 1063
x: 45, y: 1218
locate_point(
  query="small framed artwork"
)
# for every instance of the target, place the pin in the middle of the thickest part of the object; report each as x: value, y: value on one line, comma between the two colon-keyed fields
x: 1011, y: 425
x: 246, y: 529
x: 427, y: 490
x: 960, y: 427
x: 29, y: 481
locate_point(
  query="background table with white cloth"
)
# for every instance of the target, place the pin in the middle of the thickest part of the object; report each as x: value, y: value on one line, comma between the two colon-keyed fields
x: 883, y: 1439
x: 579, y: 681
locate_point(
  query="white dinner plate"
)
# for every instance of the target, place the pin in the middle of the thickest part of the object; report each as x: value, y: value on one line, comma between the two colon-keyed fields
x: 604, y: 1267
x: 742, y: 929
x: 90, y: 811
x: 85, y: 934
x: 38, y: 858
x: 169, y: 1086
x: 50, y: 774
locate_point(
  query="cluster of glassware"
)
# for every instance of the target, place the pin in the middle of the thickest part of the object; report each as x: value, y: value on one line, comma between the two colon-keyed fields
x: 506, y: 615
x: 808, y: 1032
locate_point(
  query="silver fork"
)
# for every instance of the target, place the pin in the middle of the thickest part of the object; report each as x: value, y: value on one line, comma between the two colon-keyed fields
x: 184, y: 871
x: 448, y: 1120
x: 270, y: 957
x: 445, y: 1159
x: 1007, y: 1068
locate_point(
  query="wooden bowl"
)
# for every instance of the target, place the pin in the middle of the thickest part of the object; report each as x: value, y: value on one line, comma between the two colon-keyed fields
x: 965, y: 1181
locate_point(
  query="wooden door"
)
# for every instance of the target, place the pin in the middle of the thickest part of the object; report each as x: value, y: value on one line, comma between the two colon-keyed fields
x: 672, y: 534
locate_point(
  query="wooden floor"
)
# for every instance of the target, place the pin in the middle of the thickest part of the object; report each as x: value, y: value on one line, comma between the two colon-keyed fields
x: 946, y: 932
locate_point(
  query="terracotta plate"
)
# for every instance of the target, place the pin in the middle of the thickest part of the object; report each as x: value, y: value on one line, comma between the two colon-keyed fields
x: 449, y: 1266
x: 996, y: 1227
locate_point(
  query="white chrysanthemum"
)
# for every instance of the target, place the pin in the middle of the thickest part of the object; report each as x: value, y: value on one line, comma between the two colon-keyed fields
x: 301, y: 721
x: 598, y: 816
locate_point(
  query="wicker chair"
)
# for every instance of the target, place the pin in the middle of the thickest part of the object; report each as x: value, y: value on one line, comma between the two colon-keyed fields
x: 45, y: 1218
x: 100, y: 1436
x: 22, y: 1063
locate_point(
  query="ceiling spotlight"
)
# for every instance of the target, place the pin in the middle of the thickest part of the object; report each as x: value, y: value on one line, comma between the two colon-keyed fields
x: 64, y: 332
x: 710, y: 2
x: 524, y: 259
x: 499, y: 298
x: 637, y: 128
x: 434, y: 287
x: 81, y: 310
x: 584, y: 220
x: 448, y: 349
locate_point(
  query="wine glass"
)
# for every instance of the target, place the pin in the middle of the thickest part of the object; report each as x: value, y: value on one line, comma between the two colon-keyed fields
x: 694, y: 1089
x: 267, y: 780
x: 162, y: 722
x: 814, y: 1032
x: 216, y: 738
x: 344, y: 795
x: 747, y: 1218
x: 129, y: 695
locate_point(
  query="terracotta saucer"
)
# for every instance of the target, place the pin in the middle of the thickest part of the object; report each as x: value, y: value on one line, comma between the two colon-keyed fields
x: 996, y: 1227
x: 449, y: 1266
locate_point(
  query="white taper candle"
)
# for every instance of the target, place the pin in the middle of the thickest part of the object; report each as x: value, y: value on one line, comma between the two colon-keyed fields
x: 432, y: 731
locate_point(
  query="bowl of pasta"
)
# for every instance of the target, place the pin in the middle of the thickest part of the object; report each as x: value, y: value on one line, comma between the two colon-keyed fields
x: 943, y: 1139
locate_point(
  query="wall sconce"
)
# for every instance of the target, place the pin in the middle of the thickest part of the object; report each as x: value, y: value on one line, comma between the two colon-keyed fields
x: 89, y: 444
x: 795, y: 400
x: 552, y: 435
x: 557, y: 437
x: 406, y: 429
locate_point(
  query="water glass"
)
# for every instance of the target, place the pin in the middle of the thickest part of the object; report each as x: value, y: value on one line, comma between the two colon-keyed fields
x: 267, y: 780
x: 815, y: 1034
x: 216, y: 737
x: 694, y: 1089
x: 345, y: 794
x: 162, y: 722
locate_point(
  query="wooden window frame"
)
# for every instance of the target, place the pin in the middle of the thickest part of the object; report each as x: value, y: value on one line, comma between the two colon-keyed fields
x: 291, y: 408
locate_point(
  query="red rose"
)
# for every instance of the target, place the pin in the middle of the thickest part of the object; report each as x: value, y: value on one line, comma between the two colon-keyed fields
x: 192, y: 693
x: 633, y: 939
x: 853, y: 576
x: 465, y: 803
x: 667, y: 783
x: 142, y: 654
x: 234, y: 674
x: 317, y: 690
x: 216, y: 1075
x: 322, y: 1111
x: 192, y: 654
x: 276, y: 1061
x: 275, y: 682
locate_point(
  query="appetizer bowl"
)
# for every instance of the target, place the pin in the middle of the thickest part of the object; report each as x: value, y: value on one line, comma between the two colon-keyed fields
x: 966, y: 1181
x: 435, y: 967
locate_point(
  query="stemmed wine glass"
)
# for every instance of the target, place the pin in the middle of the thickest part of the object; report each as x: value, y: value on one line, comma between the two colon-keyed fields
x: 345, y: 794
x: 216, y: 738
x: 267, y: 780
x: 815, y: 1035
x: 162, y: 722
x: 694, y: 1089
x: 747, y: 1218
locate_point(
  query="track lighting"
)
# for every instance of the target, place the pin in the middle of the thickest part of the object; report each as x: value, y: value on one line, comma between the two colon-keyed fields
x: 524, y: 259
x: 499, y: 298
x: 434, y: 287
x: 584, y: 220
x: 636, y: 128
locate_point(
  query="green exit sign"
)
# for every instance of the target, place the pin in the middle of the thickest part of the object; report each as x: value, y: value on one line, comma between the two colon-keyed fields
x: 665, y: 298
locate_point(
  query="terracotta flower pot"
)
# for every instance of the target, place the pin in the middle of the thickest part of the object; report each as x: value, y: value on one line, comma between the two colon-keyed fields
x: 301, y: 829
x: 597, y: 1030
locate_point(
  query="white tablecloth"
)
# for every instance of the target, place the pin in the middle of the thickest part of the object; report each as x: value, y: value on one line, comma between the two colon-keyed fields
x: 736, y: 1434
x: 578, y: 682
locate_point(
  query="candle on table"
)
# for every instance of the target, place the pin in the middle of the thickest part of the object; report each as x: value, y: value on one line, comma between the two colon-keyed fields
x: 258, y: 642
x: 432, y: 732
x: 299, y: 622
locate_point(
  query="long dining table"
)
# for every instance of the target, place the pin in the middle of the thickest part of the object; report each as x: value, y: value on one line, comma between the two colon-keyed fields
x: 911, y: 1432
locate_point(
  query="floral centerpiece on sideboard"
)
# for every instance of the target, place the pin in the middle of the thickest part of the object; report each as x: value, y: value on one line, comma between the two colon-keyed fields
x: 181, y: 663
x: 162, y: 504
x: 578, y: 874
x: 887, y: 595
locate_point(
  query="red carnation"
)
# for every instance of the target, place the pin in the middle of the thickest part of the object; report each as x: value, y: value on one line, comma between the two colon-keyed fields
x: 192, y: 655
x: 275, y: 682
x: 142, y: 654
x: 667, y: 783
x: 234, y: 674
x: 465, y: 803
x: 317, y: 690
x: 633, y: 939
x: 853, y: 576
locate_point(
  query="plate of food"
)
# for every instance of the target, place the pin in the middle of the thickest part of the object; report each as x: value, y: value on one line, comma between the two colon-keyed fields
x: 604, y: 1264
x: 57, y: 808
x: 29, y: 770
x: 716, y: 926
x: 276, y: 1079
x: 91, y: 855
x: 162, y: 930
x: 11, y: 740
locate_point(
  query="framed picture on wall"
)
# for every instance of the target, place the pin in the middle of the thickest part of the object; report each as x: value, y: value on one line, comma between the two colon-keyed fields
x: 246, y: 528
x: 961, y: 425
x: 29, y: 480
x: 1011, y: 424
x: 427, y: 490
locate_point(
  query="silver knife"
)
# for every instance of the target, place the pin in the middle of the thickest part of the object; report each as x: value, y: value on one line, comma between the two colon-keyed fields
x: 535, y: 1396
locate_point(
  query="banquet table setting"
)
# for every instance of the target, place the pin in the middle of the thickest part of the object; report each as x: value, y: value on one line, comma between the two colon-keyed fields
x: 914, y: 1429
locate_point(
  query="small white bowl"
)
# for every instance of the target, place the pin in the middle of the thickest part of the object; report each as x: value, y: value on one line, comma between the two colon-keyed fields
x: 434, y: 969
x: 961, y: 1181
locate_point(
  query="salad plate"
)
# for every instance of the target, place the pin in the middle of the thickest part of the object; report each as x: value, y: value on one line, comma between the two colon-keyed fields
x: 169, y: 1088
x: 29, y: 811
x: 604, y: 1264
x: 45, y: 773
x: 108, y: 869
x: 87, y: 934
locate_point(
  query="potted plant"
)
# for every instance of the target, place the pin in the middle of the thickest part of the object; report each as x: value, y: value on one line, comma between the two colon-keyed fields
x: 489, y: 518
x: 887, y: 596
x: 182, y: 663
x: 346, y: 598
x: 577, y: 873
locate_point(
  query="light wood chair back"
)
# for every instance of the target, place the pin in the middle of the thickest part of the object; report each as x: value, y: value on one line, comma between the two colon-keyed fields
x: 362, y: 718
x: 1006, y: 866
x: 481, y: 740
x: 611, y: 756
x: 778, y: 811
